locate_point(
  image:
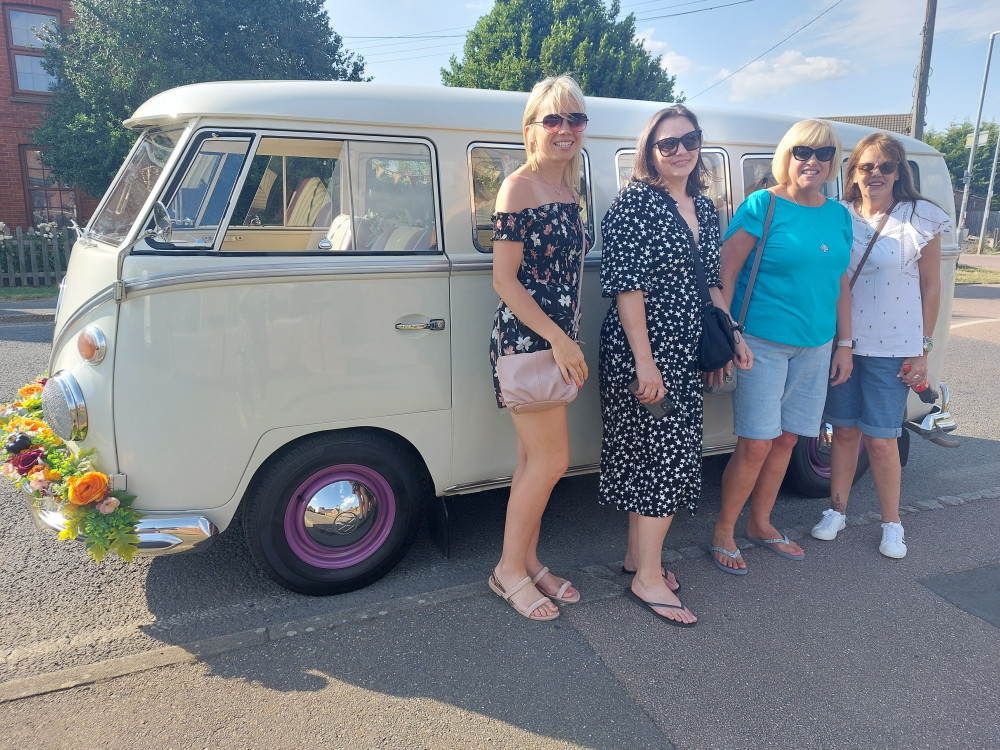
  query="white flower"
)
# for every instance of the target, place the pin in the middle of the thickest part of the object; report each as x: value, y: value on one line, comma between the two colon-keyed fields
x: 506, y: 315
x: 523, y: 342
x: 565, y: 301
x: 535, y: 239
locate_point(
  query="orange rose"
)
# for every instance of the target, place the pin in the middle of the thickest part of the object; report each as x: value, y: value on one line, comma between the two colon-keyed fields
x: 30, y: 391
x: 90, y: 488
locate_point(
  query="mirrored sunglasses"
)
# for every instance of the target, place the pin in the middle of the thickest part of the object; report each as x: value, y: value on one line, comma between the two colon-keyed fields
x: 668, y: 146
x: 804, y: 153
x: 886, y: 167
x: 552, y: 123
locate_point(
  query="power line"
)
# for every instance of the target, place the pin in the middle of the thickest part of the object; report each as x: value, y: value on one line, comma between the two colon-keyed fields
x: 769, y: 49
x: 696, y: 10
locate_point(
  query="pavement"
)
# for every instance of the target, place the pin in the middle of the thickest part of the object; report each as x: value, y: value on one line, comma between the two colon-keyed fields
x: 846, y: 649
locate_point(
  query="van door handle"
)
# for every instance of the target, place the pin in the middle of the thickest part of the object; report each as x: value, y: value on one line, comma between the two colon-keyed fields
x: 434, y: 324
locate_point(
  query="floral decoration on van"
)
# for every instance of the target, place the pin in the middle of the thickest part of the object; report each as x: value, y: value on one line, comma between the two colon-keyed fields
x: 37, y: 461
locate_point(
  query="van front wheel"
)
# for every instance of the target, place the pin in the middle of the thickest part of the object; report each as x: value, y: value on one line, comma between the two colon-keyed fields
x: 335, y: 512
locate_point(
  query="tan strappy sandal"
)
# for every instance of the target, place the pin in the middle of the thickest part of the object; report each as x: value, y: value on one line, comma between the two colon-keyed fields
x: 558, y: 596
x: 500, y: 591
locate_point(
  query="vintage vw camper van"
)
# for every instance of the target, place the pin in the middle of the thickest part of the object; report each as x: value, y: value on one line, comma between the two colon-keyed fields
x: 284, y: 303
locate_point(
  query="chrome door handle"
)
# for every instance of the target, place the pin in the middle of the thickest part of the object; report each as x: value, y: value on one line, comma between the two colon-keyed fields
x: 434, y: 324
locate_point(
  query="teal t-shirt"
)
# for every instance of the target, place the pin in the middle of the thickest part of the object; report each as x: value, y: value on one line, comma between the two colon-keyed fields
x: 794, y: 298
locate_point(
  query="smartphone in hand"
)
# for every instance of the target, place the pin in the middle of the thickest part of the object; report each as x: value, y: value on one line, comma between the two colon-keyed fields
x: 659, y: 409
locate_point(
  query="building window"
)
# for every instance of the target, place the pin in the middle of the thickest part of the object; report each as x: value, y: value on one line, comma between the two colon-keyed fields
x: 25, y: 47
x: 48, y: 199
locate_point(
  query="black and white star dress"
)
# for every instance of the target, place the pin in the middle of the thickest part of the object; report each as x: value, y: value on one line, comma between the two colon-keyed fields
x: 652, y: 466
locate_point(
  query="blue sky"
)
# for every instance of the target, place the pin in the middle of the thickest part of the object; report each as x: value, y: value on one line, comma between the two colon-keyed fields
x: 858, y: 57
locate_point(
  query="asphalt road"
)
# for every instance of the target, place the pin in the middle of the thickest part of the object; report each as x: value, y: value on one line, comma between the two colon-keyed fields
x: 845, y: 650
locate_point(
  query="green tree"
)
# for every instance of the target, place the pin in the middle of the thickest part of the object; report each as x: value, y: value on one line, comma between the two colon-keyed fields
x: 118, y: 53
x: 951, y: 143
x: 522, y: 41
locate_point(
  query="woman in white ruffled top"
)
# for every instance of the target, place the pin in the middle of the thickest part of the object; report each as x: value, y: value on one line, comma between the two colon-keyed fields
x: 894, y: 306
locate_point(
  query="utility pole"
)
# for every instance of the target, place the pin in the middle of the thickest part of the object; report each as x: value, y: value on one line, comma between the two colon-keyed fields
x: 975, y: 137
x: 923, y: 73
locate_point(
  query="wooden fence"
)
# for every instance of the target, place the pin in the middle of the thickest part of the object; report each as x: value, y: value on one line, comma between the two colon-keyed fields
x: 31, y: 258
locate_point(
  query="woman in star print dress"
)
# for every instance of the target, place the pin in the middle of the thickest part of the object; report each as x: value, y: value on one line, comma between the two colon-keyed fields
x: 651, y: 466
x: 538, y: 250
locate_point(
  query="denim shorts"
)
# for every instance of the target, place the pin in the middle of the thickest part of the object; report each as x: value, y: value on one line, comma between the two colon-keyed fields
x: 873, y: 398
x: 785, y: 390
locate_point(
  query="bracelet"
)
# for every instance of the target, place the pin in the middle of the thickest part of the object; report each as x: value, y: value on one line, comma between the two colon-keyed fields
x: 846, y: 342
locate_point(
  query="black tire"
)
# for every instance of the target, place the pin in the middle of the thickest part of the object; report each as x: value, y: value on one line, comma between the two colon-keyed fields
x: 334, y: 512
x: 809, y: 467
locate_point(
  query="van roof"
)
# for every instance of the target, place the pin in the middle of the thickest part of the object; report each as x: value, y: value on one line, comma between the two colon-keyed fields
x: 268, y: 103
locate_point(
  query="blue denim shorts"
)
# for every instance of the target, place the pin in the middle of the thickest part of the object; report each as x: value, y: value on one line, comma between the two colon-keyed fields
x: 785, y: 390
x: 873, y: 398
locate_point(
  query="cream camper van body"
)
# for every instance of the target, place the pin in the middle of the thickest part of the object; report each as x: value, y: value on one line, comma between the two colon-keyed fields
x: 289, y: 285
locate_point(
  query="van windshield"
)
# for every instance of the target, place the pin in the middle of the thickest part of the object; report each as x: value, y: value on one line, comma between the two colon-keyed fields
x: 128, y: 195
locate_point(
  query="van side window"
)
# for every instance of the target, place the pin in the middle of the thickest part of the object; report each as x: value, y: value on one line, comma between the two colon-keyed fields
x: 718, y: 179
x: 198, y: 204
x: 757, y: 176
x: 306, y: 195
x: 488, y: 167
x: 392, y: 198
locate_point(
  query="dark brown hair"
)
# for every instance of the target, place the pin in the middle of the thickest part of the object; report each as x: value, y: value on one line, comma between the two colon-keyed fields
x: 892, y: 149
x: 644, y: 168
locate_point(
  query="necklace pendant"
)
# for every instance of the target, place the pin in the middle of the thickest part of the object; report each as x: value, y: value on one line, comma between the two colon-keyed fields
x: 824, y: 248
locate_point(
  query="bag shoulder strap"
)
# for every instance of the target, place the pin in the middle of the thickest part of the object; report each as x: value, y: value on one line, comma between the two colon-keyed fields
x: 756, y: 261
x: 871, y: 244
x: 699, y: 269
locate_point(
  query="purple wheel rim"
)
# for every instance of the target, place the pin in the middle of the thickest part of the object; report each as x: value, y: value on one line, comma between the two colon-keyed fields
x: 819, y: 461
x: 317, y: 555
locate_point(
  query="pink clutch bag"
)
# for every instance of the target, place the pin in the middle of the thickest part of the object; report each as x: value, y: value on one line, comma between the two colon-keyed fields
x: 532, y: 382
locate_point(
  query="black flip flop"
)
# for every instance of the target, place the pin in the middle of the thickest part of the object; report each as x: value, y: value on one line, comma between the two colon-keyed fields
x: 652, y: 605
x: 628, y: 572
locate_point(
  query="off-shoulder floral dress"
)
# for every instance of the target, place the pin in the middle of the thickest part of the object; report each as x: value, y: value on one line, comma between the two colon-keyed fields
x: 653, y: 466
x: 554, y: 243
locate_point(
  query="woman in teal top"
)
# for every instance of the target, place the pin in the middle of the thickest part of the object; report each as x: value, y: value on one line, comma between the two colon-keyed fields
x: 799, y: 303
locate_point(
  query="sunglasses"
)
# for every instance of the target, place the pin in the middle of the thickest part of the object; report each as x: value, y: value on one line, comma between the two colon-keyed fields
x: 886, y: 167
x: 668, y: 146
x: 823, y: 153
x: 552, y: 123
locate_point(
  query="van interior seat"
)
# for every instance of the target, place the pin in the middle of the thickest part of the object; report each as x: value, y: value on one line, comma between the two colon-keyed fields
x: 340, y: 233
x: 309, y: 205
x: 403, y: 238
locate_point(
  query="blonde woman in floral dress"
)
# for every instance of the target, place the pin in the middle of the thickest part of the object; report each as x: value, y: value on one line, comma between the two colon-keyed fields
x: 538, y: 250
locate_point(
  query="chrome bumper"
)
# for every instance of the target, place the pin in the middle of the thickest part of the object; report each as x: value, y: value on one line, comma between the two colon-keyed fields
x: 158, y: 535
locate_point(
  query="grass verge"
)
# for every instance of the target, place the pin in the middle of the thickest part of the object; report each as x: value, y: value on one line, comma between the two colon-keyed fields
x: 973, y: 275
x: 22, y: 293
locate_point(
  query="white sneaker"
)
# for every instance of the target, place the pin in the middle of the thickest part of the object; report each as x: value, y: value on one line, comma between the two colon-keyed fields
x: 829, y: 525
x: 892, y: 541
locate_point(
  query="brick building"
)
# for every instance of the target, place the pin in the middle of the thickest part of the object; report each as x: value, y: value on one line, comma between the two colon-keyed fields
x: 29, y: 195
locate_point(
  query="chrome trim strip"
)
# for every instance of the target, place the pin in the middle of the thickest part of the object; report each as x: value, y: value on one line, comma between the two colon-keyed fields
x: 103, y: 296
x: 340, y: 267
x: 158, y: 535
x: 461, y: 489
x: 469, y: 263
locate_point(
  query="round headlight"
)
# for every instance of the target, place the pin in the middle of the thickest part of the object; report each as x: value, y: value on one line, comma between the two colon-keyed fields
x: 91, y: 345
x: 64, y: 407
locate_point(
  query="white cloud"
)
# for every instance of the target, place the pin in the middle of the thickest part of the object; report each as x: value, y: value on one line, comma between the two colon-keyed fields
x: 672, y: 62
x: 788, y: 69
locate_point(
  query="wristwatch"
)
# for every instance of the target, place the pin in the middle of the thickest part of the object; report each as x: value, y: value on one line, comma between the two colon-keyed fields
x: 928, y: 344
x: 847, y: 342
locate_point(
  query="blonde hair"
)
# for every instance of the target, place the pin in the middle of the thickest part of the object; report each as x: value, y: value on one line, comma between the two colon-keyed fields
x: 552, y: 89
x: 812, y: 133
